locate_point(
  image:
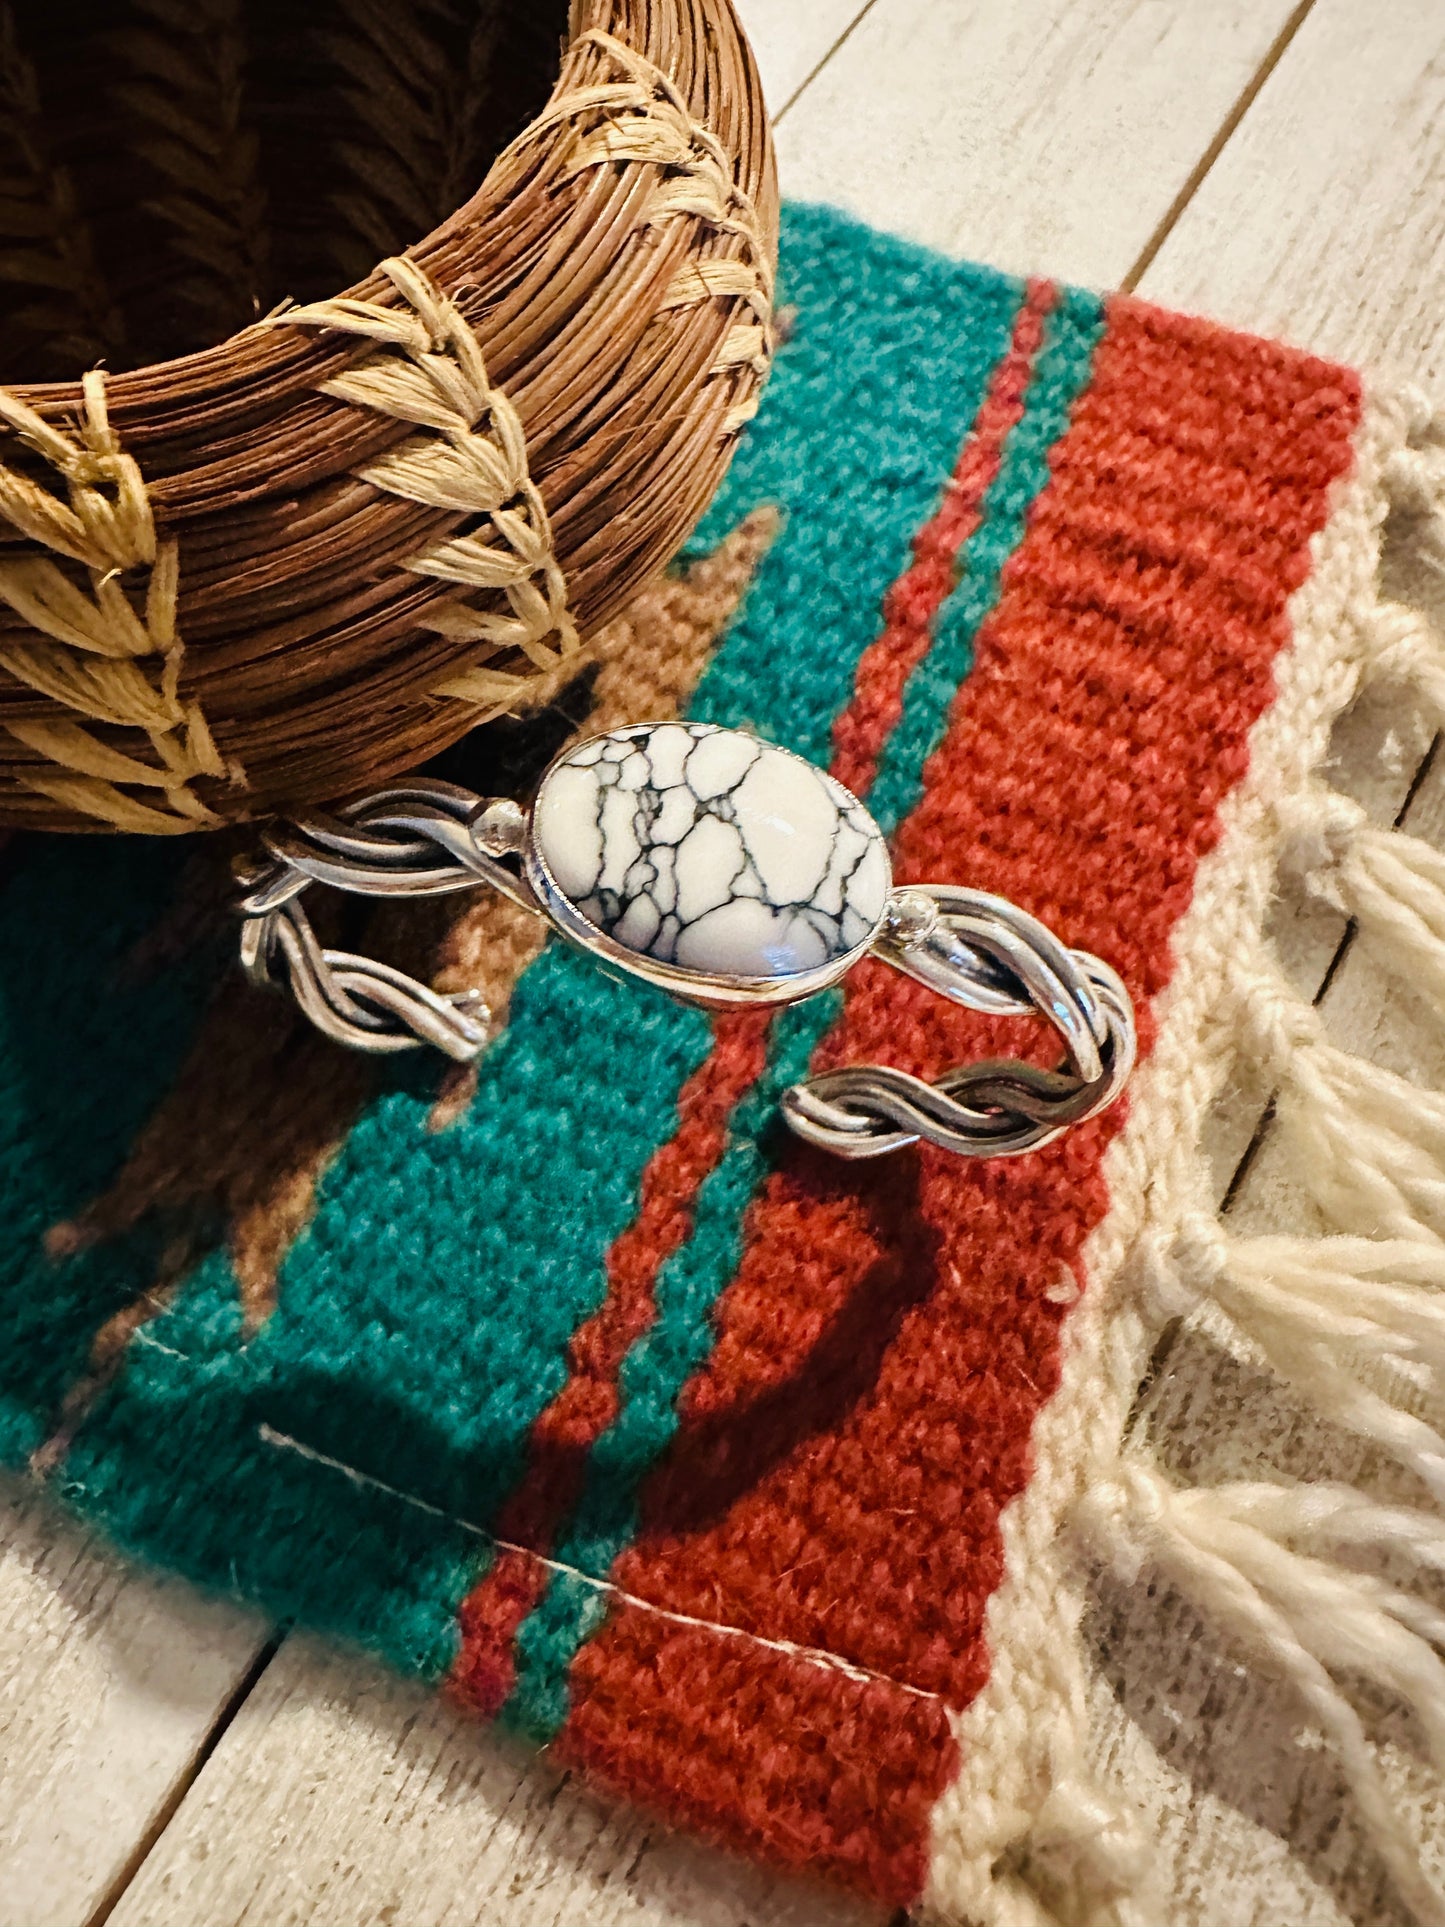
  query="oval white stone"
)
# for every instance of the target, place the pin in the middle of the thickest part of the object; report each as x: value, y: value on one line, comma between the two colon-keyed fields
x: 711, y: 852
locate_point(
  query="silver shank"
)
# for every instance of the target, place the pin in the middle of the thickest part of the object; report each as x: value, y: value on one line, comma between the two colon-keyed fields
x: 988, y: 955
x: 426, y: 838
x: 418, y: 839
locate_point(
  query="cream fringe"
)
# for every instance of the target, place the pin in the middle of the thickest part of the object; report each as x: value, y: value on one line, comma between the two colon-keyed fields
x: 1354, y: 1322
x: 1371, y: 1145
x: 1390, y: 882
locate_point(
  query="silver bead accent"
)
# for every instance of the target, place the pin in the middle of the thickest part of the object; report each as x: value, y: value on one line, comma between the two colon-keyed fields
x: 426, y: 839
x: 501, y: 827
x: 910, y: 919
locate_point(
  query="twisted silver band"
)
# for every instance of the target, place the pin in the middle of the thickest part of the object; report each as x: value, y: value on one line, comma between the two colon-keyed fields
x: 988, y: 955
x: 417, y: 839
x: 428, y: 839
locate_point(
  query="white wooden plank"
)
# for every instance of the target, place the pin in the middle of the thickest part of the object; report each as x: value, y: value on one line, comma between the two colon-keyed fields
x: 238, y: 1812
x: 441, y: 1824
x: 790, y: 40
x: 340, y: 1735
x: 1041, y: 137
x: 1323, y: 220
x: 110, y: 1681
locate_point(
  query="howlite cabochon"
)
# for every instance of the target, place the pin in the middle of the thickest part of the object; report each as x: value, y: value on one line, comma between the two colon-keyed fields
x: 712, y: 852
x: 748, y: 1420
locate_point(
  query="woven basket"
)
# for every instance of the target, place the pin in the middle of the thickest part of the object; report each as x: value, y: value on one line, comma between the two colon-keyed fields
x: 243, y: 578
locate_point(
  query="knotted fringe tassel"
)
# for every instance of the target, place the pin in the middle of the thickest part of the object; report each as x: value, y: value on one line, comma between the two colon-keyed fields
x: 1414, y: 479
x: 1390, y: 882
x: 1370, y: 1144
x: 1404, y: 650
x: 1354, y: 1321
x: 1256, y: 1561
x: 1324, y: 1312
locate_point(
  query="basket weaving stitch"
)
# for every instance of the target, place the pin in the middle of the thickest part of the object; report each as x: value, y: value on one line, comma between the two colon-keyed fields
x: 756, y: 1484
x: 273, y: 570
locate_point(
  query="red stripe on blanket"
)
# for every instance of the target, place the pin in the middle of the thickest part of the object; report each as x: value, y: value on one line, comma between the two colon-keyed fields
x: 911, y: 606
x: 892, y: 1332
x: 827, y: 1773
x: 484, y: 1673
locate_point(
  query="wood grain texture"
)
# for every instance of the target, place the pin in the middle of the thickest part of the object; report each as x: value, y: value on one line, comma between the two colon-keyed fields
x: 1045, y: 134
x: 343, y: 1795
x: 110, y: 1681
x: 1320, y: 220
x: 1323, y: 220
x: 792, y: 39
x: 1045, y: 138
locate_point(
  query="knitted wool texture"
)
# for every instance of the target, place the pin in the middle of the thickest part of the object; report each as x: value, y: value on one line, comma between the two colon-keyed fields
x: 585, y: 1392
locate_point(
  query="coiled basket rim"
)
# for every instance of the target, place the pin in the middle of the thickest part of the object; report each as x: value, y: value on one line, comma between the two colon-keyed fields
x: 272, y: 572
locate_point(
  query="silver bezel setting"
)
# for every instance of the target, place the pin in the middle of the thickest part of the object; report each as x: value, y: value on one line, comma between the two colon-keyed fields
x: 428, y: 838
x: 692, y: 986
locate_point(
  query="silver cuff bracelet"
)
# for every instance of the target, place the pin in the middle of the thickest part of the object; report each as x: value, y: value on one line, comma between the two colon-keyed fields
x: 725, y: 871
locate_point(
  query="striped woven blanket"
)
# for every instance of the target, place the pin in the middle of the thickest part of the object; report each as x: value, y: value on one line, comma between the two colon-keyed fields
x: 760, y: 1486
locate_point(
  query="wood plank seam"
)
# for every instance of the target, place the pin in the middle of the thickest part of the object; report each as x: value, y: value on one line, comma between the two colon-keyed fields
x: 245, y: 1686
x: 807, y: 81
x: 1141, y: 265
x: 1156, y: 240
x: 1247, y: 97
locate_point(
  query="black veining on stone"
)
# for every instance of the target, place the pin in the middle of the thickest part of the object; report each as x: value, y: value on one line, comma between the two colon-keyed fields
x: 706, y: 868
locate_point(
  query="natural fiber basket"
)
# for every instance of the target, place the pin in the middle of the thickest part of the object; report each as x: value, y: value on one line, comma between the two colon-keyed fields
x: 265, y: 573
